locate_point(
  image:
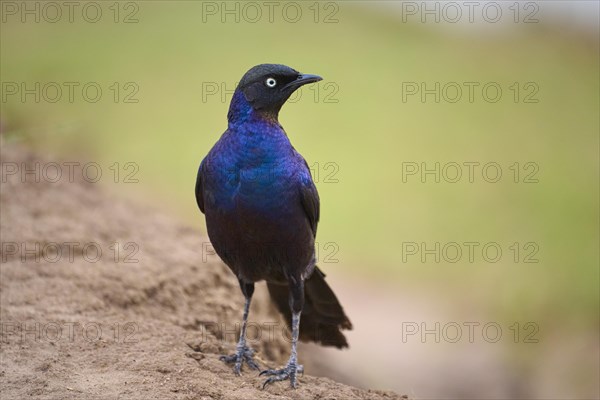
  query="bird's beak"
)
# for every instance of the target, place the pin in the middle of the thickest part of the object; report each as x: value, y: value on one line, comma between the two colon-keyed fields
x: 303, y: 79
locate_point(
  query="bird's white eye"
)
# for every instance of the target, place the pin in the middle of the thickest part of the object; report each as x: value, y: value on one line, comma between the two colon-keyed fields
x: 270, y: 82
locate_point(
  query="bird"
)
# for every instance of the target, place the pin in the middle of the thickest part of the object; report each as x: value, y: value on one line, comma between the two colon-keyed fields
x: 262, y: 208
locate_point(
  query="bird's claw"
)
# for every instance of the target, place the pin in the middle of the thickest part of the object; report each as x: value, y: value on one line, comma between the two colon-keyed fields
x: 288, y: 372
x: 243, y: 354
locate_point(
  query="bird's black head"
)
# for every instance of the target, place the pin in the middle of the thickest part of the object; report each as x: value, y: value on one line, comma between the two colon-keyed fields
x: 266, y: 87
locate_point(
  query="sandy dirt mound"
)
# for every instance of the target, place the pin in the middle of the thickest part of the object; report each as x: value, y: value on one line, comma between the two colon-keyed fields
x: 102, y: 298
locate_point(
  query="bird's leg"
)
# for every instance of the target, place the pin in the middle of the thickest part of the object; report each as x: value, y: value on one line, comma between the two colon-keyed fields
x: 243, y: 352
x: 292, y: 367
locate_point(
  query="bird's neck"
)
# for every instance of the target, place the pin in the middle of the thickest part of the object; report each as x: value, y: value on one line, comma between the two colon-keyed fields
x: 242, y: 112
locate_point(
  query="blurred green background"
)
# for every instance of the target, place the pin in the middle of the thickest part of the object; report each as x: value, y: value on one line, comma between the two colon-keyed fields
x: 359, y: 132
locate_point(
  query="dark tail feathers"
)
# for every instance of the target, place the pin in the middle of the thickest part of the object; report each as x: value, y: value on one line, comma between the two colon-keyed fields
x: 322, y: 318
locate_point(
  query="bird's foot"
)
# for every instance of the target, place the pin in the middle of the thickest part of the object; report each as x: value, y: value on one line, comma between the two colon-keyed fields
x: 288, y: 372
x: 242, y: 354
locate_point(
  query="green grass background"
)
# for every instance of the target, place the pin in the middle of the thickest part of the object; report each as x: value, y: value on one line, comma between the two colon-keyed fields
x: 368, y: 134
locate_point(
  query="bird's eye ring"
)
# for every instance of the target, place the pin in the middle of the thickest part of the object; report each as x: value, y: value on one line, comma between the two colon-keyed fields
x: 270, y: 82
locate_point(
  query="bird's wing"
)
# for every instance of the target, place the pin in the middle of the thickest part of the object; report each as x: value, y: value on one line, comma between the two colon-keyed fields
x: 200, y: 187
x: 309, y: 198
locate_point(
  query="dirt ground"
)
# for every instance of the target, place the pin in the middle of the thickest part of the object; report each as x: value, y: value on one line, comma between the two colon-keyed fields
x: 102, y: 298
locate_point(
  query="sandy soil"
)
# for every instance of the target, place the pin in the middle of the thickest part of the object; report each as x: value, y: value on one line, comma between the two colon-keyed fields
x: 147, y: 318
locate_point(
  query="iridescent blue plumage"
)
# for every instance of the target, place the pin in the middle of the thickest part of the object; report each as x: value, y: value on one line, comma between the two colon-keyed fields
x: 262, y: 210
x: 253, y: 187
